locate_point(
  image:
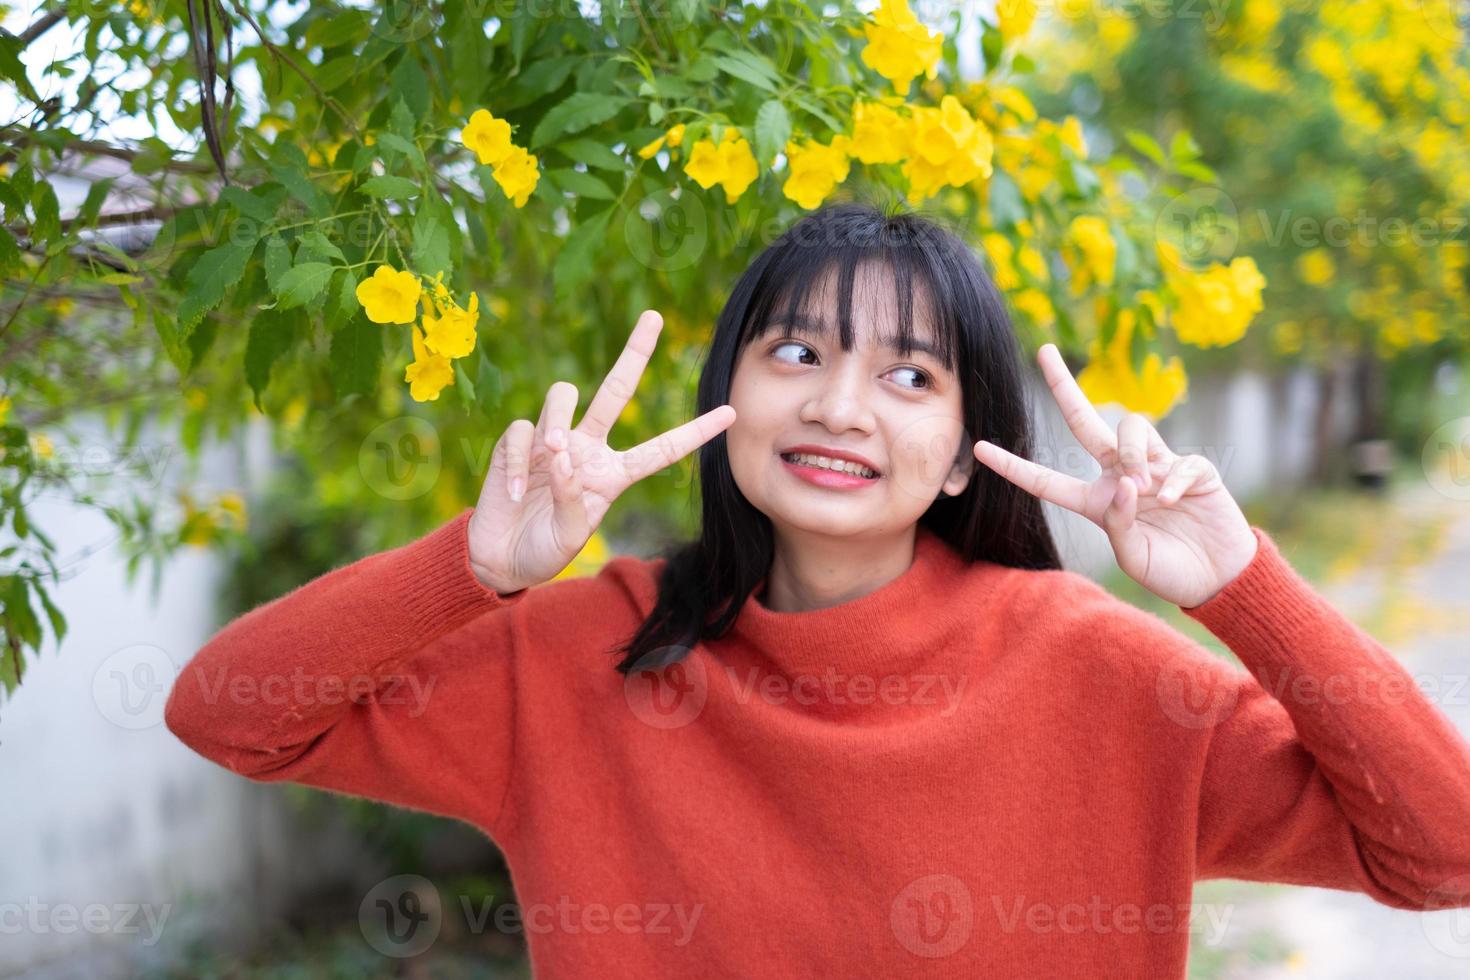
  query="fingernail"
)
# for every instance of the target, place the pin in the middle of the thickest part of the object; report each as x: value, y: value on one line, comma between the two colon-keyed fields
x: 517, y: 488
x: 557, y: 438
x: 1141, y: 480
x: 1120, y: 494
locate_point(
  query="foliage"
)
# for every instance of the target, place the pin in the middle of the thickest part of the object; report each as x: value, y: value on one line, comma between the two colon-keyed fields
x: 382, y: 232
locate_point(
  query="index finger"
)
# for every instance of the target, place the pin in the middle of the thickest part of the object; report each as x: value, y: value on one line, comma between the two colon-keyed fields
x: 621, y: 382
x: 1089, y: 427
x: 1037, y: 480
x: 649, y: 457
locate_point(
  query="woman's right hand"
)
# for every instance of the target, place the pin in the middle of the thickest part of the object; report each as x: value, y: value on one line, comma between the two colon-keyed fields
x: 569, y: 477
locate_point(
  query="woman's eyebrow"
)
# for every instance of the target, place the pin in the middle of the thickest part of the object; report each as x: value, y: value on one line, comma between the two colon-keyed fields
x: 801, y: 323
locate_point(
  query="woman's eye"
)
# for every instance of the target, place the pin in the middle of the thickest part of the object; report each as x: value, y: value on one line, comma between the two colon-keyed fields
x: 791, y: 343
x: 927, y: 382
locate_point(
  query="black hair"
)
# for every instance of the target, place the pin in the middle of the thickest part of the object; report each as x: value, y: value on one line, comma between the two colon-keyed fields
x: 706, y: 581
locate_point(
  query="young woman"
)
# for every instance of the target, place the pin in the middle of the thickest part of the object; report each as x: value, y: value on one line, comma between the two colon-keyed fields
x: 864, y: 724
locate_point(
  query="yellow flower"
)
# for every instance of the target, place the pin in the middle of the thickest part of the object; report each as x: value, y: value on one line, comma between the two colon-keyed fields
x: 389, y: 296
x: 879, y: 135
x: 1036, y: 305
x: 594, y: 554
x: 517, y: 174
x: 731, y: 164
x: 61, y: 305
x: 1014, y: 17
x: 1215, y: 306
x: 815, y: 169
x: 429, y: 373
x: 899, y: 47
x: 4, y: 409
x: 452, y: 333
x: 1099, y: 252
x: 673, y: 137
x: 949, y: 147
x: 488, y: 136
x: 1315, y: 268
x: 1001, y: 253
x: 232, y: 506
x: 42, y: 445
x: 1109, y: 376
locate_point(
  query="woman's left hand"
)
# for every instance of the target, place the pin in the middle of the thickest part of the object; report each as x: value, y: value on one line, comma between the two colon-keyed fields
x: 1176, y: 530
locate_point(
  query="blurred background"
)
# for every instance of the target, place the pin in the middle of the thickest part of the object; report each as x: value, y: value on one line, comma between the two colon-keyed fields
x: 1247, y: 219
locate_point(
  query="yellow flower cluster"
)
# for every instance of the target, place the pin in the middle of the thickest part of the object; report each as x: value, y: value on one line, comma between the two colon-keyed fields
x: 950, y: 147
x: 1089, y: 235
x: 514, y: 169
x: 1109, y: 377
x: 730, y: 163
x: 815, y: 169
x: 448, y: 330
x: 673, y: 137
x: 1216, y: 305
x: 202, y: 524
x: 899, y: 47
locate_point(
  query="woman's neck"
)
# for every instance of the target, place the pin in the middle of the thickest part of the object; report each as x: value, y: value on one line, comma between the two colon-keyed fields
x: 812, y: 571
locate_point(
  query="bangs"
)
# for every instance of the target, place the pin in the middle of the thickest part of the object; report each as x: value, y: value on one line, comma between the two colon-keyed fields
x: 840, y: 240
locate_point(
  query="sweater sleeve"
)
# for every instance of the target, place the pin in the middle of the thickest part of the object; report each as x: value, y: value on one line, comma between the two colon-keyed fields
x: 1326, y: 765
x: 387, y: 678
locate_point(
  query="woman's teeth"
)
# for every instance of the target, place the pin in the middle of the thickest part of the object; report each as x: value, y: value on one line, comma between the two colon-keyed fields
x: 827, y: 463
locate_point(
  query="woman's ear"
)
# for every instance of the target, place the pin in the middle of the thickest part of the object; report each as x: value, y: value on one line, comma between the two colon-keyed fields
x: 959, y: 474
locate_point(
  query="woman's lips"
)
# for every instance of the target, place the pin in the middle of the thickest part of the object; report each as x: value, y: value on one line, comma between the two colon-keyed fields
x: 827, y: 478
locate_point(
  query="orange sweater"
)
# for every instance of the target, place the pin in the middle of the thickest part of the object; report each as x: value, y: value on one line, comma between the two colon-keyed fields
x: 972, y: 771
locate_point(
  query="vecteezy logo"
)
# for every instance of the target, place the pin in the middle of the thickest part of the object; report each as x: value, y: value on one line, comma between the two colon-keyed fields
x: 402, y: 21
x: 1446, y: 458
x: 400, y: 459
x: 665, y: 232
x: 401, y: 916
x: 1195, y: 695
x: 131, y: 686
x: 1445, y: 921
x: 933, y: 915
x: 1203, y: 223
x: 667, y: 696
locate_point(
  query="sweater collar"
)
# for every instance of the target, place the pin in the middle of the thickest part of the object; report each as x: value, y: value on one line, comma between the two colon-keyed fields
x: 901, y: 627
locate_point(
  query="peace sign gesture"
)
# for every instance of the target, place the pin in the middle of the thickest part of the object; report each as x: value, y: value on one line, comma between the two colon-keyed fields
x: 1173, y: 526
x: 551, y: 484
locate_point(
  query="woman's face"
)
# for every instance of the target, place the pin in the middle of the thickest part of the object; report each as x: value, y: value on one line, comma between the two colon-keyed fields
x: 903, y: 415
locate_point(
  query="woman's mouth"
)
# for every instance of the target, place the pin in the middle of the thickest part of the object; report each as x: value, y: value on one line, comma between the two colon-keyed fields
x: 824, y: 471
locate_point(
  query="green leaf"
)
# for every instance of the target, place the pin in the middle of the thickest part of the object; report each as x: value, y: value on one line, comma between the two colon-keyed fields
x: 772, y: 130
x: 301, y: 283
x: 96, y: 194
x: 1199, y: 172
x: 542, y: 78
x: 337, y: 72
x: 408, y: 148
x: 48, y: 213
x: 581, y: 184
x: 347, y: 304
x: 575, y: 113
x: 750, y: 67
x: 277, y: 261
x: 356, y: 358
x: 387, y: 186
x: 319, y: 246
x: 211, y: 275
x: 575, y: 263
x: 593, y: 154
x: 9, y: 253
x: 430, y: 252
x: 409, y: 83
x: 463, y: 384
x: 1145, y: 144
x: 1183, y: 148
x: 272, y: 334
